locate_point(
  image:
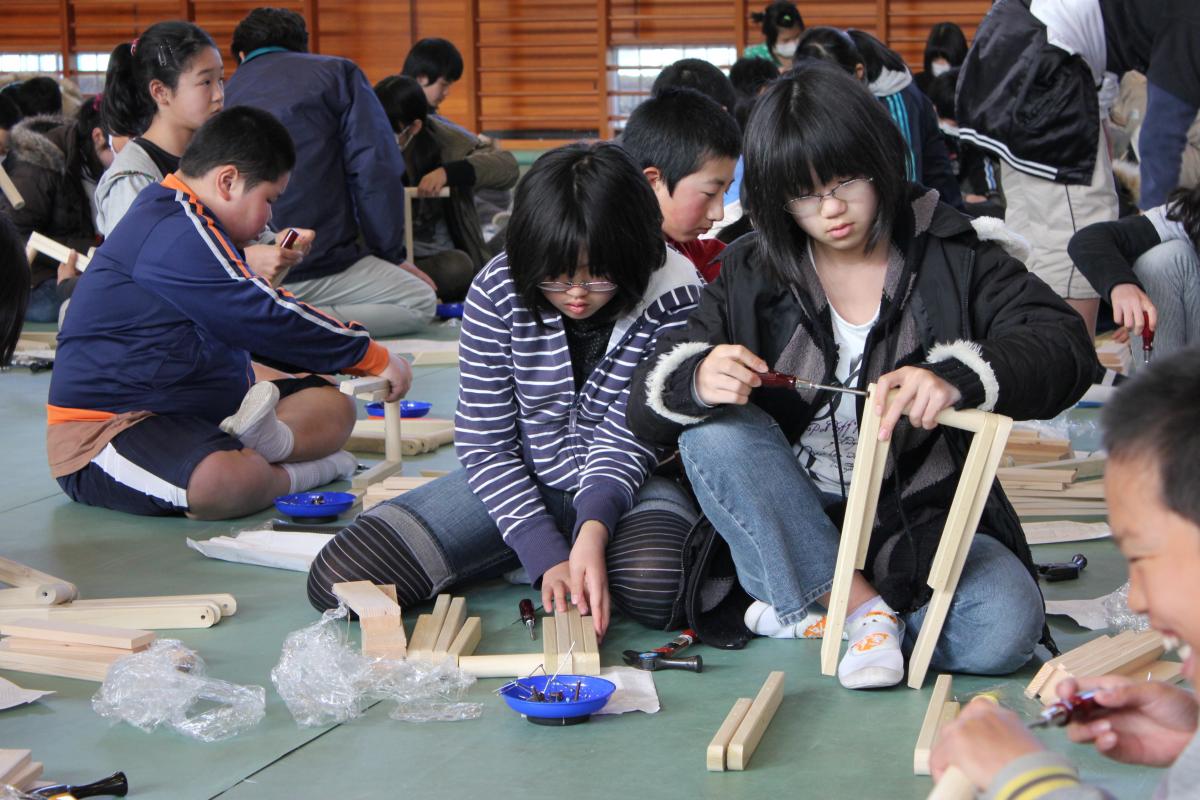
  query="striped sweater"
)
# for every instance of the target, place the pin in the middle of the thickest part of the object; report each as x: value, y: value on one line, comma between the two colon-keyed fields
x: 520, y: 422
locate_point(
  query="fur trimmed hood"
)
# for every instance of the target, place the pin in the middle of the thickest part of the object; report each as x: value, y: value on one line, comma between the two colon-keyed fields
x: 32, y: 144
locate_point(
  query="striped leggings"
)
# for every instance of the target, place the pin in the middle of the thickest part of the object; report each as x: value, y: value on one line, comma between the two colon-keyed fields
x: 440, y: 537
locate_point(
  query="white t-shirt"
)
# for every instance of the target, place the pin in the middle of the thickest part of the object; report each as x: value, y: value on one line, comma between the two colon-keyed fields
x: 815, y: 449
x: 1168, y: 230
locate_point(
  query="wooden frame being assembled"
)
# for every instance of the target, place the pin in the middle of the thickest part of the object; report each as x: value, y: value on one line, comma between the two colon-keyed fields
x: 744, y: 726
x: 409, y: 193
x: 975, y: 482
x: 393, y: 454
x: 943, y: 708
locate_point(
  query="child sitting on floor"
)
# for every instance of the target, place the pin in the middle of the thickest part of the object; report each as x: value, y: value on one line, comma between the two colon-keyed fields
x: 155, y: 352
x: 687, y: 146
x: 854, y: 276
x: 1152, y: 435
x: 552, y: 479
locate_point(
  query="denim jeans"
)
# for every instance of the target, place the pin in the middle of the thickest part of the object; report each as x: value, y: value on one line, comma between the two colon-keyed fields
x: 750, y: 485
x: 43, y: 302
x: 1170, y: 274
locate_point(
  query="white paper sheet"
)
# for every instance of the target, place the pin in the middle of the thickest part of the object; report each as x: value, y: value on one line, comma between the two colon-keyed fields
x: 1089, y: 614
x: 12, y: 695
x: 291, y: 550
x: 420, y: 345
x: 1061, y: 531
x: 635, y: 691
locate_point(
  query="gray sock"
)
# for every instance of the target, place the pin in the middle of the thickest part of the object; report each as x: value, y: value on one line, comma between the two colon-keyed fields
x: 306, y: 475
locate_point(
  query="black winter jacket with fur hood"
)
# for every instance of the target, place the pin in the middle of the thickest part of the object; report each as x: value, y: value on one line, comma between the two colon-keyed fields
x: 956, y: 303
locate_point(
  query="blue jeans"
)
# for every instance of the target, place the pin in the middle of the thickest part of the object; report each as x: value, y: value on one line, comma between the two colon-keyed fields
x: 751, y: 487
x: 43, y: 302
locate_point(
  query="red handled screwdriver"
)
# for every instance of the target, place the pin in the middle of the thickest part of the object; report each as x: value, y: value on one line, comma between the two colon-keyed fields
x: 527, y: 615
x: 1076, y: 708
x: 1147, y: 338
x: 782, y: 380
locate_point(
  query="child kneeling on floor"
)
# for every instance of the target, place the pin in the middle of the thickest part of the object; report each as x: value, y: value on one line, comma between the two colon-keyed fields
x: 552, y: 479
x: 154, y: 359
x: 1152, y: 435
x: 854, y: 276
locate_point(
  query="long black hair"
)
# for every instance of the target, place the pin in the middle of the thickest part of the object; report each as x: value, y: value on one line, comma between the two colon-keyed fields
x: 830, y: 44
x: 14, y: 288
x: 164, y: 52
x: 404, y: 102
x: 776, y: 16
x: 812, y: 126
x: 876, y: 56
x: 587, y: 197
x: 946, y: 40
x: 89, y: 118
x: 1184, y: 208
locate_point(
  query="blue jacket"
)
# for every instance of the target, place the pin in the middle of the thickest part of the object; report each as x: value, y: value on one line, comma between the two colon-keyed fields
x: 349, y: 175
x: 167, y: 314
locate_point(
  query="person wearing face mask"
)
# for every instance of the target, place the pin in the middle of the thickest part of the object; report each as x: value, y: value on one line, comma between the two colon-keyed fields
x: 945, y: 49
x: 782, y: 27
x: 447, y: 236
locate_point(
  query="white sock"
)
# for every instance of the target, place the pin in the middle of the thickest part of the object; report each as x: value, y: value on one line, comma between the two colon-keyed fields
x: 874, y: 658
x: 256, y: 425
x: 760, y: 618
x: 306, y: 475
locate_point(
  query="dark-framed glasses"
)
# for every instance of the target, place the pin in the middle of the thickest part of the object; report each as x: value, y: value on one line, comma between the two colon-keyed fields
x: 855, y: 190
x: 555, y: 287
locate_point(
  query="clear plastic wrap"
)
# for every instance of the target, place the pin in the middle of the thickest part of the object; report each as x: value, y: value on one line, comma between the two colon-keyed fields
x: 167, y: 684
x: 1120, y: 617
x: 322, y: 680
x: 8, y: 792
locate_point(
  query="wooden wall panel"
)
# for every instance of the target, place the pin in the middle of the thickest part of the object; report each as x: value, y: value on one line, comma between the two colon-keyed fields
x: 532, y: 65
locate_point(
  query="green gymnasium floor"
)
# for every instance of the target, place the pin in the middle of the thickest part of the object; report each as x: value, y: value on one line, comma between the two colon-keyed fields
x: 825, y: 742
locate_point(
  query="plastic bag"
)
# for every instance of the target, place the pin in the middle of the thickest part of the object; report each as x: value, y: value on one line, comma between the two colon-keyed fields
x: 166, y: 685
x: 1120, y: 617
x: 322, y: 680
x: 8, y: 792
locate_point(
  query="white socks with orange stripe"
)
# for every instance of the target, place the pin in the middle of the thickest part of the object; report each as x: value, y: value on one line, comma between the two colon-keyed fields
x: 306, y: 475
x: 874, y: 658
x: 257, y: 427
x: 760, y: 618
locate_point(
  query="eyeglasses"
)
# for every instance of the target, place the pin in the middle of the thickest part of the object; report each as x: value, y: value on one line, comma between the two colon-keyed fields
x: 855, y: 190
x: 588, y: 286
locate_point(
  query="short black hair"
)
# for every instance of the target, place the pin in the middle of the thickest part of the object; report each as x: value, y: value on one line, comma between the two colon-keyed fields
x: 39, y: 95
x: 269, y: 27
x: 1184, y: 207
x: 14, y: 287
x: 876, y: 56
x: 946, y: 40
x: 748, y: 75
x: 697, y: 74
x: 812, y: 126
x: 163, y: 52
x: 678, y: 130
x: 588, y: 197
x: 87, y: 120
x: 433, y: 59
x: 776, y: 16
x: 941, y: 93
x: 250, y: 139
x: 1155, y: 418
x: 10, y: 112
x: 829, y: 44
x: 404, y: 102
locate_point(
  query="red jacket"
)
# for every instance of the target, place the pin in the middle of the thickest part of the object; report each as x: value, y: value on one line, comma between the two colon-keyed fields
x: 703, y: 253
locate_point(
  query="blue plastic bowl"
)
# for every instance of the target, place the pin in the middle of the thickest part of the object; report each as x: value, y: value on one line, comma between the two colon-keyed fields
x: 450, y: 310
x: 409, y: 409
x: 593, y: 695
x: 314, y: 506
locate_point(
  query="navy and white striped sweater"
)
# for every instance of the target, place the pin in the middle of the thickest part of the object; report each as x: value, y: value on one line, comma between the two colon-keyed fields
x: 520, y: 423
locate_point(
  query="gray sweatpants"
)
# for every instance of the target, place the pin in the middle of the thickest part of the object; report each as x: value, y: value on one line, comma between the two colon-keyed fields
x: 1170, y: 274
x: 387, y: 300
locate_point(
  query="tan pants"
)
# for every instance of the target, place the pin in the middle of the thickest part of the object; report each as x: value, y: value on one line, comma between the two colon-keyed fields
x: 1048, y: 214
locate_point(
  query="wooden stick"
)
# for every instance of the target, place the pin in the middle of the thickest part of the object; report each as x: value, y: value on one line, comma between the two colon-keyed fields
x: 10, y: 190
x: 78, y: 633
x: 366, y: 599
x: 409, y: 193
x: 53, y: 665
x: 227, y: 603
x: 12, y: 761
x: 423, y: 637
x: 566, y: 657
x: 1043, y: 674
x: 942, y: 688
x: 467, y: 640
x: 451, y: 625
x: 715, y: 755
x: 750, y: 731
x: 501, y: 666
x: 954, y: 785
x: 549, y: 643
x: 16, y: 574
x: 198, y: 615
x: 68, y: 649
x: 25, y: 777
x: 589, y: 662
x: 371, y: 386
x: 392, y: 449
x: 39, y: 594
x: 59, y: 252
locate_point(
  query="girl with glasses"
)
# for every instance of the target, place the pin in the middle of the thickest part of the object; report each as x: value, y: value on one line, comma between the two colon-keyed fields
x: 552, y: 481
x: 854, y: 276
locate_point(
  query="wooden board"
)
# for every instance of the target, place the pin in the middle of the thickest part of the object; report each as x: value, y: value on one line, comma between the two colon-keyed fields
x: 371, y: 386
x: 59, y: 666
x: 932, y: 722
x: 510, y: 665
x: 468, y: 637
x: 15, y: 573
x: 78, y: 633
x: 10, y: 191
x: 715, y: 755
x: 59, y: 252
x: 12, y: 761
x: 423, y: 638
x: 562, y: 630
x: 549, y: 644
x: 1039, y: 680
x: 197, y: 615
x: 589, y: 662
x: 383, y: 636
x: 25, y: 777
x: 750, y: 732
x: 38, y: 594
x: 455, y: 617
x: 435, y: 359
x: 227, y: 603
x: 365, y: 599
x: 22, y: 645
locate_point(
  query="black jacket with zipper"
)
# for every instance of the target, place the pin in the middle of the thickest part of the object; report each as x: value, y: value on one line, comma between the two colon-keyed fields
x: 982, y: 322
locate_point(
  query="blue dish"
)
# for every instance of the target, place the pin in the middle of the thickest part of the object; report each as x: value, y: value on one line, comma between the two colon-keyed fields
x: 315, y: 506
x: 594, y: 693
x: 409, y: 409
x: 450, y: 310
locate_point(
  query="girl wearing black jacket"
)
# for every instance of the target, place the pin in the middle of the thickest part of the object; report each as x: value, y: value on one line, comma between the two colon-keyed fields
x: 855, y: 277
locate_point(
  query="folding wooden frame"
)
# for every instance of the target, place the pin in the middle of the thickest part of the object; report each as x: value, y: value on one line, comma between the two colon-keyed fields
x: 983, y: 458
x: 409, y: 193
x: 393, y: 453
